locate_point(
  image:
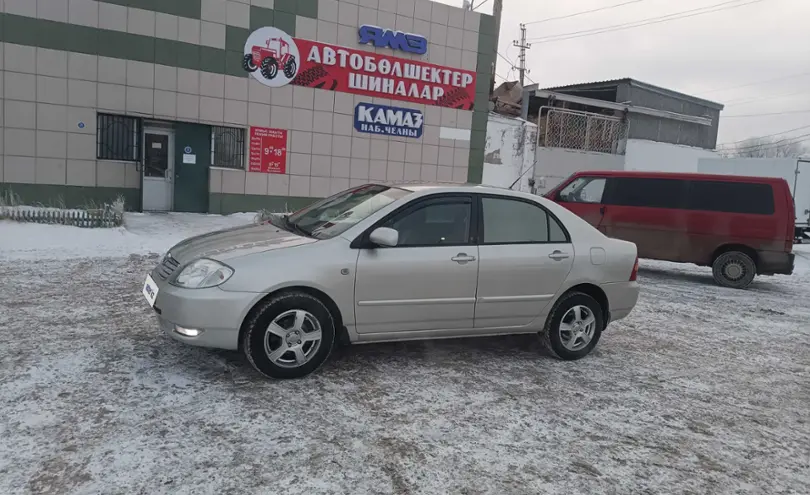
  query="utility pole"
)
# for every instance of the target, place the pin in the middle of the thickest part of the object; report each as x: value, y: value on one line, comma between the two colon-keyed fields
x: 521, y: 67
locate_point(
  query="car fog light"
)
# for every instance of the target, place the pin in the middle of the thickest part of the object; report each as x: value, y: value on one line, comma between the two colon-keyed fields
x: 187, y: 332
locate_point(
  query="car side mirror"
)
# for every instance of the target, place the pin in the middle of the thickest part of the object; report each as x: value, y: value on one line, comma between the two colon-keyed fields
x: 384, y: 236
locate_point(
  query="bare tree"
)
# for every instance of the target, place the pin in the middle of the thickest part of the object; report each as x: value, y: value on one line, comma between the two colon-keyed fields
x: 767, y: 147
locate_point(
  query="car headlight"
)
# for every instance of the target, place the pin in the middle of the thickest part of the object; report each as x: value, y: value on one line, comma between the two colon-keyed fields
x: 202, y: 274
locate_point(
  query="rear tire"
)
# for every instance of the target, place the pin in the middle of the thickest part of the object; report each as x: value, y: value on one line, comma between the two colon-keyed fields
x: 562, y: 335
x: 247, y: 63
x: 280, y: 338
x: 734, y: 269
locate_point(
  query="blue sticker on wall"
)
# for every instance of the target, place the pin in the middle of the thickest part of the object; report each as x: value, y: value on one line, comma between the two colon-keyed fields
x: 80, y: 125
x: 187, y: 150
x: 392, y: 121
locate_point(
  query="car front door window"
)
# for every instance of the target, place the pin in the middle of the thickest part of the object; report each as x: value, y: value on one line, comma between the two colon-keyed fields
x: 444, y: 223
x: 584, y: 190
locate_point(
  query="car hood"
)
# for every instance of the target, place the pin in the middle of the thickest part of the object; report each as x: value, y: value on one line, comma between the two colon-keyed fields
x: 238, y: 241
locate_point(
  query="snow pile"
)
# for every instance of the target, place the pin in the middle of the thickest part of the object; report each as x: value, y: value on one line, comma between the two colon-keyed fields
x: 142, y: 233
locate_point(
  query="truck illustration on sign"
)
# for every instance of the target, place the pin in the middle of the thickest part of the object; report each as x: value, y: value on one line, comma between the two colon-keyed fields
x: 271, y: 58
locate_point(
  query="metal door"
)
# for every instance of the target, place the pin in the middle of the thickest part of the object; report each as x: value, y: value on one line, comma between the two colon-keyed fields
x: 158, y: 170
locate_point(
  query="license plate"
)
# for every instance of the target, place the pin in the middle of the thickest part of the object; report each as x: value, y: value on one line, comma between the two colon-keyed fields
x: 150, y: 291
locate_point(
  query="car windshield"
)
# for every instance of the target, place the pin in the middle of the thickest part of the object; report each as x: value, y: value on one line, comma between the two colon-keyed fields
x: 336, y: 214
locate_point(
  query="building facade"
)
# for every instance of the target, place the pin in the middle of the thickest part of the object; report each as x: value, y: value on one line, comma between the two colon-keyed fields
x: 235, y: 105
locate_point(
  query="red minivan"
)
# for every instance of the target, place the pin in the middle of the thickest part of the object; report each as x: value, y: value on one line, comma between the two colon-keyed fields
x: 740, y: 226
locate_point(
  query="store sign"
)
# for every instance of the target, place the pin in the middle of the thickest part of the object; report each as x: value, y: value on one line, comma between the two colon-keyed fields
x: 276, y: 59
x: 396, y: 40
x: 392, y: 121
x: 268, y: 150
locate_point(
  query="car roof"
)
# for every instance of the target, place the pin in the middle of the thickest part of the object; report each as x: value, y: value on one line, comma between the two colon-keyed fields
x: 679, y: 175
x: 453, y: 186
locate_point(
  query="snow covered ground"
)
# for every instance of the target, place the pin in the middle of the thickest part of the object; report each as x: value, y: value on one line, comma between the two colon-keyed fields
x: 701, y: 390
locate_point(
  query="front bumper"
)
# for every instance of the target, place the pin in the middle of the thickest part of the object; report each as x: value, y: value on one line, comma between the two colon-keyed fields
x: 216, y: 313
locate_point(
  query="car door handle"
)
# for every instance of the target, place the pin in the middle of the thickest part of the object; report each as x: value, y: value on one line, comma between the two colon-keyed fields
x: 558, y: 255
x: 462, y: 258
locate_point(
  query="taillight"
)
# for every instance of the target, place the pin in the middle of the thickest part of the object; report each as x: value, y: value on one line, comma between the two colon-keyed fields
x: 634, y: 273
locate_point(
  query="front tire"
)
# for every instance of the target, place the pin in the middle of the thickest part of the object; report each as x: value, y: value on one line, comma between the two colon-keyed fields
x: 269, y: 68
x: 574, y: 326
x: 734, y: 269
x: 289, y: 68
x: 289, y: 336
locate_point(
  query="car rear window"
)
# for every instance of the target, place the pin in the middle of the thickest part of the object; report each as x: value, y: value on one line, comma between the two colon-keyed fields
x: 731, y: 197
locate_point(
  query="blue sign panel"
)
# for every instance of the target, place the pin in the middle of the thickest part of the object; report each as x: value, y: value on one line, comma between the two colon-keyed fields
x: 396, y: 40
x: 392, y: 121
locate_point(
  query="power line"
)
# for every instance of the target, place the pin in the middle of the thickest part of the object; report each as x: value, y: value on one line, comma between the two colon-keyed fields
x: 775, y: 144
x: 663, y: 18
x: 584, y: 12
x: 769, y: 135
x: 766, y: 114
x: 745, y: 101
x: 480, y: 4
x: 645, y: 22
x: 767, y: 146
x: 756, y: 83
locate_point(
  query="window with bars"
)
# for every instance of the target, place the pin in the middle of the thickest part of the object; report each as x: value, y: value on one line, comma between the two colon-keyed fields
x: 118, y: 138
x: 227, y: 147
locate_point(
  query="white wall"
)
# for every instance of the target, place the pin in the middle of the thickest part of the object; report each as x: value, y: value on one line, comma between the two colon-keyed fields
x: 652, y: 156
x: 755, y: 167
x: 509, y: 152
x: 555, y: 164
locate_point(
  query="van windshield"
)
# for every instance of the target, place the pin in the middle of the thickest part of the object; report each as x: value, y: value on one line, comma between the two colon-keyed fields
x: 334, y: 215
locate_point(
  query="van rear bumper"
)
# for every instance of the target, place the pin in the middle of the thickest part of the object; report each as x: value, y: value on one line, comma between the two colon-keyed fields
x: 773, y: 262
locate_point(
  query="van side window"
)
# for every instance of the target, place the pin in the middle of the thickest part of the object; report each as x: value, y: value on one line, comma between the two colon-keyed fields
x: 651, y: 193
x: 584, y: 190
x: 731, y: 197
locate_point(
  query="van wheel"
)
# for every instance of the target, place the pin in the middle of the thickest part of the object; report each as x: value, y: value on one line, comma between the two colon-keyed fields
x: 734, y: 269
x: 289, y: 336
x: 574, y: 326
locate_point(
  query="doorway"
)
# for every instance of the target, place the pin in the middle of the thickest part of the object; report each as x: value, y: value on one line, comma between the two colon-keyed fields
x: 158, y: 170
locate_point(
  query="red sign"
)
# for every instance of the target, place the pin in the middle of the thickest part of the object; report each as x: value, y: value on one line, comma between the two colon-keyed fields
x: 372, y: 74
x: 268, y: 150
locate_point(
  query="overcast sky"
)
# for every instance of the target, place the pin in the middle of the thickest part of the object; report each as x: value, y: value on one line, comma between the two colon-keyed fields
x: 697, y: 55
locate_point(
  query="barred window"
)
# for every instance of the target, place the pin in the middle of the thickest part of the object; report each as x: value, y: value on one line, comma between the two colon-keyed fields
x: 227, y: 147
x: 118, y: 138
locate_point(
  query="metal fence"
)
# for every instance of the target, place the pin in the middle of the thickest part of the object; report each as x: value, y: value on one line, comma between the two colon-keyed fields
x: 575, y: 130
x: 104, y: 217
x: 227, y: 147
x: 118, y: 138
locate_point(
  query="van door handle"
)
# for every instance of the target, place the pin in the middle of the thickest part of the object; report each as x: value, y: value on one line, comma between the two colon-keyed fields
x: 558, y: 255
x: 462, y: 258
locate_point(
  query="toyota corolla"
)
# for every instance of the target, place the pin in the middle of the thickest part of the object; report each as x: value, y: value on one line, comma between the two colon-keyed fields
x: 382, y: 263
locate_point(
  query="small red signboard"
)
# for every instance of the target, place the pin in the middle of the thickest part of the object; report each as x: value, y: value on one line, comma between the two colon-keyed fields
x: 268, y: 150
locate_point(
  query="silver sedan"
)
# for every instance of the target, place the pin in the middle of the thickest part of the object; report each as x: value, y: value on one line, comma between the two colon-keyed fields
x: 382, y: 263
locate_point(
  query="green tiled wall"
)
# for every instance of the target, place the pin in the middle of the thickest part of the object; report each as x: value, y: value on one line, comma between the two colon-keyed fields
x: 478, y: 132
x: 72, y: 196
x: 226, y: 204
x: 185, y: 8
